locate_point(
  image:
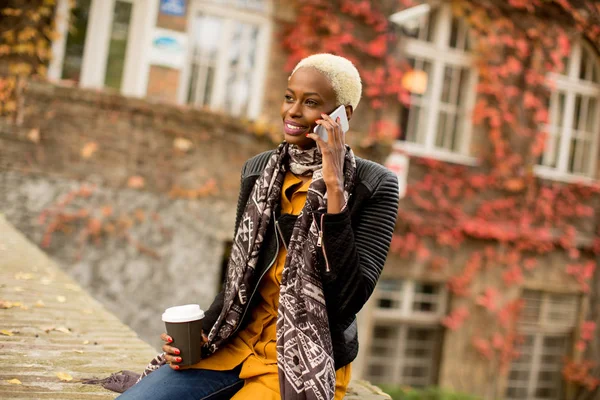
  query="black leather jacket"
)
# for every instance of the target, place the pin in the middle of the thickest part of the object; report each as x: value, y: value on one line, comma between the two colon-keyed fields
x: 356, y: 240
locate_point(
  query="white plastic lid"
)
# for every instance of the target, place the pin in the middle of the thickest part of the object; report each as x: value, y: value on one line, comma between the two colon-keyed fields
x: 186, y: 313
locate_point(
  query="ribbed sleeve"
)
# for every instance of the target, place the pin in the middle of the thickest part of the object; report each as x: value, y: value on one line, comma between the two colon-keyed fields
x: 356, y: 245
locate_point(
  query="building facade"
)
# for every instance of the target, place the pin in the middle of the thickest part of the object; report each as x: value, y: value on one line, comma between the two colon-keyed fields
x: 225, y: 56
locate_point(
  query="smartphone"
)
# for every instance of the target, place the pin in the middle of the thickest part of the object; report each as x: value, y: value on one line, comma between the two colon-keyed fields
x: 338, y: 112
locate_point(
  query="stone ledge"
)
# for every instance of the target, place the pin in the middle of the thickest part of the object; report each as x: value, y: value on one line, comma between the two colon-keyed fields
x: 55, y: 327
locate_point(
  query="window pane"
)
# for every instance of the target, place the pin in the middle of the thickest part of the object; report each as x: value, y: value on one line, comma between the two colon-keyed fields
x: 425, y: 29
x: 207, y: 31
x: 427, y: 298
x: 453, y: 113
x: 588, y: 66
x: 118, y: 44
x: 561, y: 310
x: 413, y: 116
x: 76, y: 41
x: 383, y: 353
x: 242, y: 52
x: 532, y: 309
x: 458, y: 34
x: 421, y: 349
x: 389, y: 294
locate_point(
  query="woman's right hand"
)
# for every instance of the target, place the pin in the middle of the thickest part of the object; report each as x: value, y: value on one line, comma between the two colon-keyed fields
x: 173, y: 354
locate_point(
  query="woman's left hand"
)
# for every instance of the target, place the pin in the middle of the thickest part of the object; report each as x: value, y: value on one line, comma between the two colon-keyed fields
x: 334, y: 152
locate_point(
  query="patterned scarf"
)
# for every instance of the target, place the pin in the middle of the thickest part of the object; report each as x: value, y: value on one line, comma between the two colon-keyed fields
x: 304, y: 348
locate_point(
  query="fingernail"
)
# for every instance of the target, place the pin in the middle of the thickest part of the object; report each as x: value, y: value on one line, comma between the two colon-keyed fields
x: 169, y: 339
x: 307, y: 134
x: 178, y: 359
x: 177, y: 351
x: 176, y: 367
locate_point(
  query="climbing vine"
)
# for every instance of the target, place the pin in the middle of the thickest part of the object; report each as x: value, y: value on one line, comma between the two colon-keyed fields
x: 517, y: 43
x: 26, y: 34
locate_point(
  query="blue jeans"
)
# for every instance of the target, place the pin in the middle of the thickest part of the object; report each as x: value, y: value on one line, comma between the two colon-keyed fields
x: 189, y: 384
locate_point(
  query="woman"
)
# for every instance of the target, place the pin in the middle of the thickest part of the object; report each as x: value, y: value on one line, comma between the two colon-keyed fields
x: 313, y: 229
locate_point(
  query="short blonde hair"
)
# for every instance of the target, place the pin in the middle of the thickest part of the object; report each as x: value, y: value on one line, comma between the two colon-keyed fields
x: 342, y: 74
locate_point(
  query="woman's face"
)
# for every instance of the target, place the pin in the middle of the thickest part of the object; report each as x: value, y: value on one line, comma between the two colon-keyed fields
x: 309, y: 94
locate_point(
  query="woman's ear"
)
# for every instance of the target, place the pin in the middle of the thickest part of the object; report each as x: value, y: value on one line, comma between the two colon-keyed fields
x: 349, y: 112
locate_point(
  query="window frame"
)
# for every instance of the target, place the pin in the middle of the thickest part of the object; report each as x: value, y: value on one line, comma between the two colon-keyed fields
x: 440, y: 55
x: 539, y: 330
x: 571, y: 86
x: 263, y: 21
x: 95, y: 53
x: 403, y: 320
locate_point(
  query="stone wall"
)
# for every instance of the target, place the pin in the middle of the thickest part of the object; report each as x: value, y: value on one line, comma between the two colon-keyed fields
x: 135, y: 200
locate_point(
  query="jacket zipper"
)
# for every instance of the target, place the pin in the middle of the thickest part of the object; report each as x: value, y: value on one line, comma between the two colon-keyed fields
x: 260, y: 279
x: 320, y: 241
x: 281, y: 235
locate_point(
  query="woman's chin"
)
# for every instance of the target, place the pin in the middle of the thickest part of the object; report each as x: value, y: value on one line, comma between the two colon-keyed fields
x: 300, y: 140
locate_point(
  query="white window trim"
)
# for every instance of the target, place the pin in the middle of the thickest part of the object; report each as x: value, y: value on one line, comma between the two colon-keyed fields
x: 431, y: 52
x: 95, y: 53
x: 417, y: 150
x: 263, y: 20
x: 571, y: 84
x: 403, y: 319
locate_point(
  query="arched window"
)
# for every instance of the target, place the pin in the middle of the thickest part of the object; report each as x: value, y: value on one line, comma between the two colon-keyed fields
x: 437, y: 121
x: 229, y: 47
x: 574, y: 125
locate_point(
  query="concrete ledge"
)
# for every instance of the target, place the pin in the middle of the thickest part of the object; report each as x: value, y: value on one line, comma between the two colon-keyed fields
x: 50, y: 326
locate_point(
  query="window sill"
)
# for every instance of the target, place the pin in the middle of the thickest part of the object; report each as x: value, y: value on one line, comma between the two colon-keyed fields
x: 552, y: 174
x: 437, y: 154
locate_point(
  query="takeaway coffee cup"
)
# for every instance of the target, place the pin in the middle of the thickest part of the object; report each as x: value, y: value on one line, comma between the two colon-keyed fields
x: 184, y: 325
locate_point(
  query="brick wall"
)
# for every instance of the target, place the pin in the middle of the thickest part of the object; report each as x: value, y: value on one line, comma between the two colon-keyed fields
x: 155, y: 232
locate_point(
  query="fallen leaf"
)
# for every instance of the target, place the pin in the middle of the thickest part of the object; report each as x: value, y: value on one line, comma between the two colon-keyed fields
x: 78, y: 351
x: 47, y: 329
x: 24, y: 307
x: 19, y: 289
x: 72, y: 287
x: 63, y: 376
x: 6, y: 332
x: 46, y: 281
x: 86, y: 342
x: 34, y: 135
x: 14, y: 382
x: 24, y: 276
x: 61, y: 299
x: 40, y: 303
x: 87, y: 311
x: 63, y: 330
x: 136, y: 182
x: 89, y: 149
x: 6, y: 304
x: 182, y: 144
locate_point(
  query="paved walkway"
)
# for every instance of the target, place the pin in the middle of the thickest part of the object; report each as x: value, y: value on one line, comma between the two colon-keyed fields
x: 53, y: 334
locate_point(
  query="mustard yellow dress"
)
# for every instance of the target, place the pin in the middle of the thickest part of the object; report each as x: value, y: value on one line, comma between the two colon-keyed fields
x: 255, y: 346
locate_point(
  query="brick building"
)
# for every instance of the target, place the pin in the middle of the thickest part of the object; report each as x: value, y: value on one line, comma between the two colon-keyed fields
x: 214, y: 54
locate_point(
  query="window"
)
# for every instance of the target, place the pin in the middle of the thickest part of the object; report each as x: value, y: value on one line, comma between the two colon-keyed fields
x: 104, y: 46
x: 228, y: 50
x: 574, y: 125
x: 437, y: 121
x: 547, y: 326
x: 407, y: 335
x: 73, y: 57
x: 117, y: 49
